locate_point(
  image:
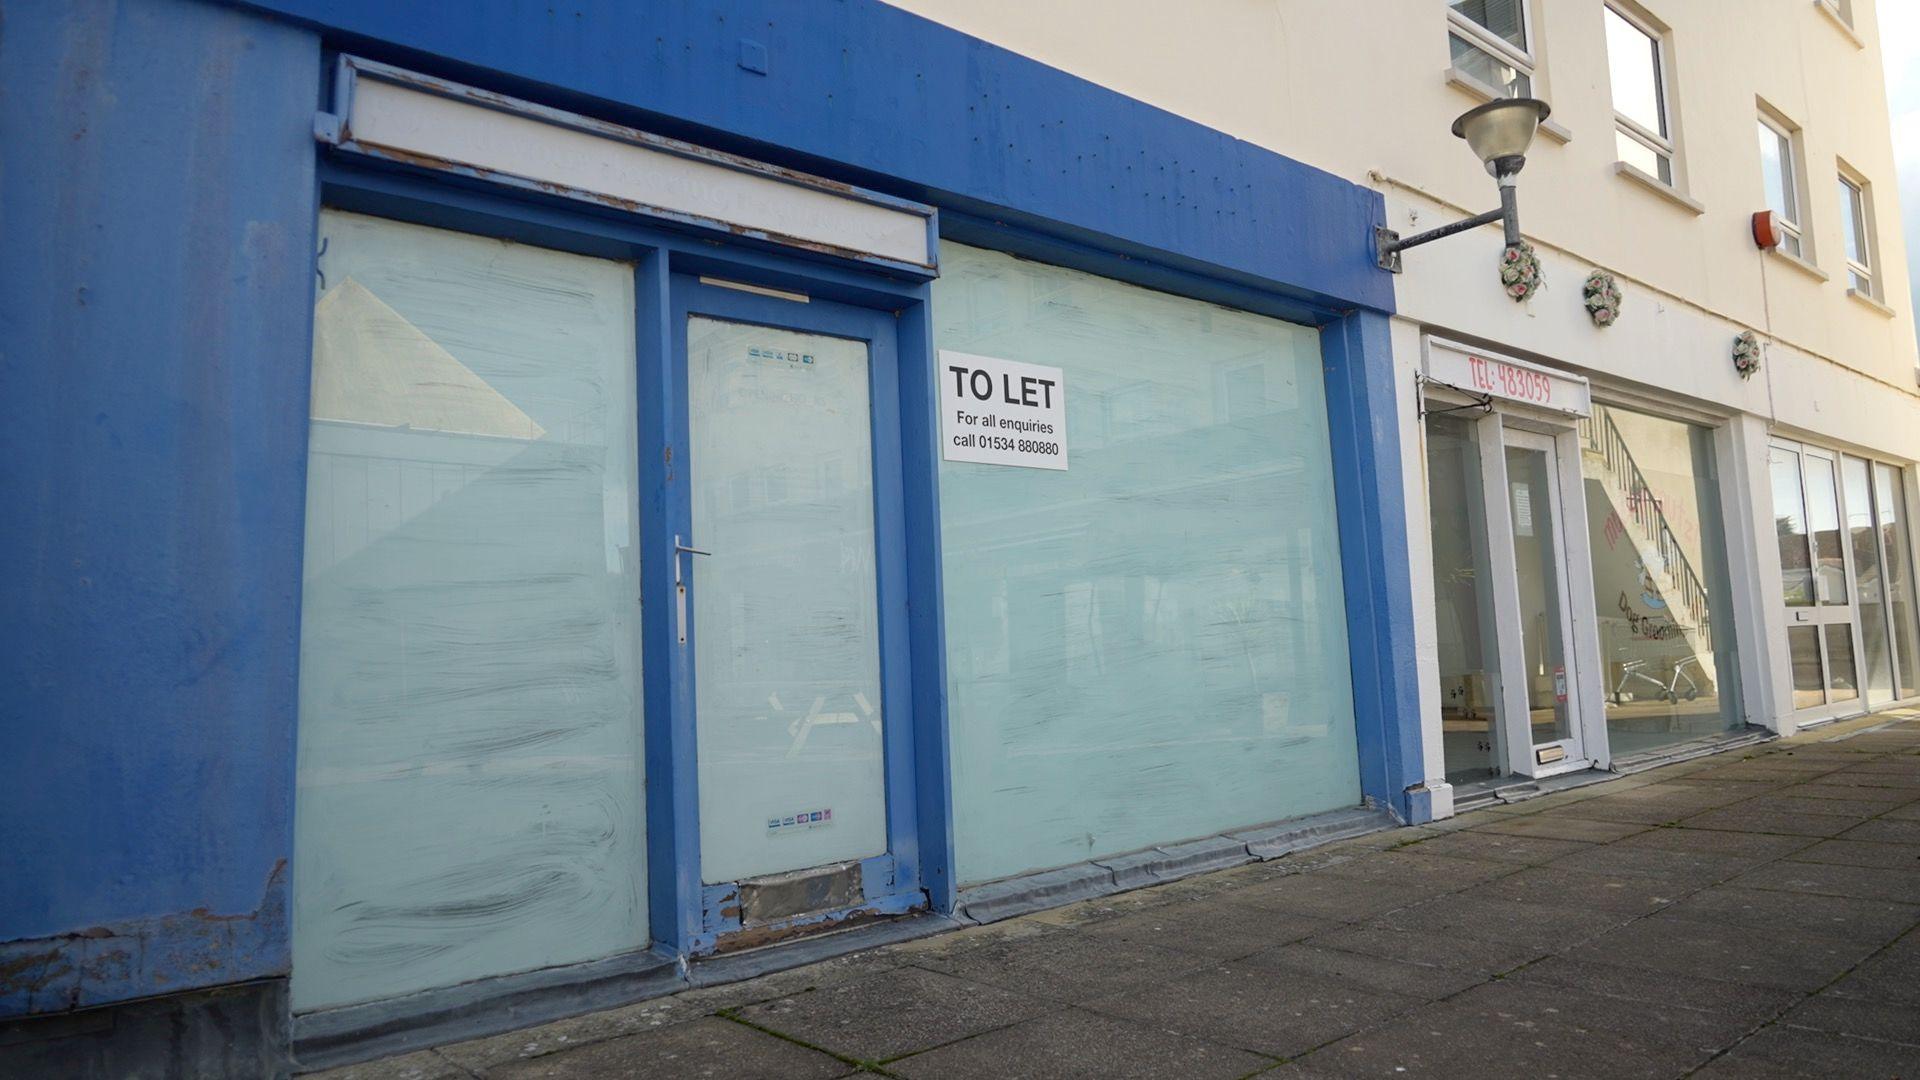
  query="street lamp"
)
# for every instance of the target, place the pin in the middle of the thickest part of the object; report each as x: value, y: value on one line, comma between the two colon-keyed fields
x: 1499, y: 132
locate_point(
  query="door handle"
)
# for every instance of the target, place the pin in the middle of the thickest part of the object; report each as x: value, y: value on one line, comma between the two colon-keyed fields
x: 680, y: 584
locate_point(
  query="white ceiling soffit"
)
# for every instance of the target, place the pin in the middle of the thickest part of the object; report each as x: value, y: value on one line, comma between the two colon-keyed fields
x: 398, y: 115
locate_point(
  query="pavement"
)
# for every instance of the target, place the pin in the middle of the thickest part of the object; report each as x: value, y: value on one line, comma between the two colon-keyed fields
x: 1751, y: 914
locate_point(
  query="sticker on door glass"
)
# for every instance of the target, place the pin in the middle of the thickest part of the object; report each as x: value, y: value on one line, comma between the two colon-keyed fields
x: 1002, y: 412
x: 799, y: 820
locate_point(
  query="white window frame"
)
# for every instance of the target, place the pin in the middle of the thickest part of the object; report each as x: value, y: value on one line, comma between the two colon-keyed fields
x: 1793, y: 175
x: 1860, y: 211
x: 1663, y: 146
x: 1839, y: 9
x: 1499, y: 48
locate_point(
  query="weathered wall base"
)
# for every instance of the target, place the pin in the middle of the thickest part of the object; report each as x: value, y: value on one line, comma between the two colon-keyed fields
x: 238, y: 1030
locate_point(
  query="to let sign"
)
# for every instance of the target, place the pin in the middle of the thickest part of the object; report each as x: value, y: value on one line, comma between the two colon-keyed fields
x: 1002, y: 412
x: 1479, y: 372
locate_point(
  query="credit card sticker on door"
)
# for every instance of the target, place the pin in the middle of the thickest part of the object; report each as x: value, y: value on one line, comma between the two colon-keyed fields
x: 799, y: 820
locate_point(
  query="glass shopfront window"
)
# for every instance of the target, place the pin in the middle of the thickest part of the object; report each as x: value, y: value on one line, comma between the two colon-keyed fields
x: 1151, y: 645
x: 1469, y: 653
x: 469, y: 800
x: 1660, y: 580
x: 1903, y: 615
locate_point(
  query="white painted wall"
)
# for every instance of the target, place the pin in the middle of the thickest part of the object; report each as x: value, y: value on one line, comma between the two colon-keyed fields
x: 1359, y: 87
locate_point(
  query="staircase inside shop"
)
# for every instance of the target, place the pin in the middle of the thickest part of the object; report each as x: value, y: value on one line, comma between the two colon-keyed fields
x: 1656, y: 631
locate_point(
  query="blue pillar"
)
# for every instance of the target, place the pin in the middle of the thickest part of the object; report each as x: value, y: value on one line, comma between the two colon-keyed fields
x: 1357, y: 354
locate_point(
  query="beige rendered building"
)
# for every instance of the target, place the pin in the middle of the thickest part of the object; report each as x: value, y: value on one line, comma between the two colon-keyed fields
x: 1668, y: 555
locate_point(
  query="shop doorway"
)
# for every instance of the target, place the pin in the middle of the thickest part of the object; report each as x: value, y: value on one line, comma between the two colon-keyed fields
x: 1512, y: 583
x: 789, y: 596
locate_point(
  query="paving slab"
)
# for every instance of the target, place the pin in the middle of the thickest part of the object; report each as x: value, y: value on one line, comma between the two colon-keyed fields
x: 1861, y: 853
x: 479, y: 1055
x: 1244, y: 1006
x: 1373, y: 973
x: 1867, y: 882
x: 1542, y: 928
x: 1211, y: 927
x: 1824, y: 788
x: 1511, y: 1028
x: 1746, y: 819
x: 1780, y: 1052
x: 1894, y: 1021
x: 1561, y: 827
x: 1577, y: 890
x: 1323, y: 896
x: 1677, y: 990
x: 1887, y: 830
x: 1771, y: 914
x: 704, y: 1048
x: 1080, y: 1045
x: 419, y: 1065
x: 1785, y: 802
x: 893, y: 1014
x: 1725, y: 951
x: 1752, y: 847
x: 1070, y: 966
x: 1412, y: 868
x: 1499, y: 847
x: 1891, y: 975
x: 1673, y: 867
x: 1433, y: 949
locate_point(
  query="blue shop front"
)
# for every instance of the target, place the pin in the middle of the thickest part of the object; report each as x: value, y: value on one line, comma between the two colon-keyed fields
x: 575, y: 503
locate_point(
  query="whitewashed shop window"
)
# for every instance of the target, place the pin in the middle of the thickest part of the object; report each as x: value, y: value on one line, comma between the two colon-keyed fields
x: 1151, y: 645
x: 1490, y: 42
x: 1638, y: 67
x: 469, y: 789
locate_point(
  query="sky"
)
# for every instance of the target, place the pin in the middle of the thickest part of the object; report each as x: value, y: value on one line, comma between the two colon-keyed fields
x: 1900, y: 52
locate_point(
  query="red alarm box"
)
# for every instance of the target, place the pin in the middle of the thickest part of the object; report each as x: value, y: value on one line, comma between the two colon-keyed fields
x: 1766, y: 232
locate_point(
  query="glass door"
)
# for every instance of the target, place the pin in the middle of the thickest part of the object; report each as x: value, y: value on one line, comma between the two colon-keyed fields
x: 1539, y: 671
x: 1817, y: 581
x: 788, y: 596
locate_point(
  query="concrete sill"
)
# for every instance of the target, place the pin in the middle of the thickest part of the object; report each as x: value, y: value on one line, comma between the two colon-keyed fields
x: 1799, y: 264
x: 1481, y: 92
x: 1660, y: 188
x: 1871, y: 302
x: 1833, y: 16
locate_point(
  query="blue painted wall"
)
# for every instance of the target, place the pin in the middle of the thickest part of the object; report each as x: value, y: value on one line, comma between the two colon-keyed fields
x: 869, y: 93
x: 155, y: 288
x: 155, y: 293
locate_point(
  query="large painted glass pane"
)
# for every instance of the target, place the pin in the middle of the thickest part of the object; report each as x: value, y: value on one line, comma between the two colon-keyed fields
x: 1463, y: 613
x: 1876, y: 643
x: 1533, y: 503
x: 1823, y: 522
x: 1660, y: 579
x: 1790, y: 527
x: 785, y: 611
x: 1904, y: 614
x: 469, y: 792
x: 1151, y: 645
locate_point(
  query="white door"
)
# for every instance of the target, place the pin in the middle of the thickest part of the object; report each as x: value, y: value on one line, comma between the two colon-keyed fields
x: 1544, y: 729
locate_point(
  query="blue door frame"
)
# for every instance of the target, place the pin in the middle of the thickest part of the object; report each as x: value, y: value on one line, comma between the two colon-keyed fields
x: 891, y: 880
x: 846, y: 301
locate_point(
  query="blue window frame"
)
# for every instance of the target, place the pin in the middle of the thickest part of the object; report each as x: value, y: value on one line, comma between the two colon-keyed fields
x: 843, y: 301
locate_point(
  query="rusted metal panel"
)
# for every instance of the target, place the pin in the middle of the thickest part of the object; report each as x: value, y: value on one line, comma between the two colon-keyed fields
x: 799, y: 892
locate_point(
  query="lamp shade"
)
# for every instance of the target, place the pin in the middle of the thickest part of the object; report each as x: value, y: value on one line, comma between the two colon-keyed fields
x: 1501, y: 129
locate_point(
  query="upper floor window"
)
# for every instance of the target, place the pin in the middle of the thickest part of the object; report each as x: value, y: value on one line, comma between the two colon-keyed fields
x: 1779, y: 171
x: 1637, y: 66
x: 1856, y: 224
x: 1489, y: 42
x: 1842, y: 8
